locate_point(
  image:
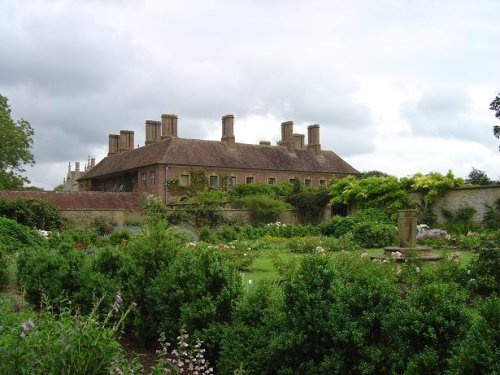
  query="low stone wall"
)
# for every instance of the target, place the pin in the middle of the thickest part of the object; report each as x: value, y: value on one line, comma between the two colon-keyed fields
x: 84, y: 217
x: 477, y: 197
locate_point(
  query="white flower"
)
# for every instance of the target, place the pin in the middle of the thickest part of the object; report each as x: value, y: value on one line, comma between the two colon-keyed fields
x: 364, y: 254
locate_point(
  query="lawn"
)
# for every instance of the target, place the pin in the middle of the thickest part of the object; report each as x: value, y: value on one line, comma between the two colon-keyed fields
x: 262, y: 268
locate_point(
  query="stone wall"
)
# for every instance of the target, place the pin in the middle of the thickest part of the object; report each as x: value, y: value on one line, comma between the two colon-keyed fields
x: 477, y: 197
x: 84, y: 217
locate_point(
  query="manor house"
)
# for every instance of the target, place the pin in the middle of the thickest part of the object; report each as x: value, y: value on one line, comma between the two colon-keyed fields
x: 166, y: 157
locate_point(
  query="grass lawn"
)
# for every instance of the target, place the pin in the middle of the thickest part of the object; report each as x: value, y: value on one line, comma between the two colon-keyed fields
x: 262, y: 267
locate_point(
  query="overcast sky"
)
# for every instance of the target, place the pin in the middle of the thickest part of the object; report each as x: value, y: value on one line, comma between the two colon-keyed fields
x: 401, y: 86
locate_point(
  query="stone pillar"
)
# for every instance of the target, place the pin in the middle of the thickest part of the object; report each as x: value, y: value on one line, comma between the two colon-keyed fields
x: 407, y: 228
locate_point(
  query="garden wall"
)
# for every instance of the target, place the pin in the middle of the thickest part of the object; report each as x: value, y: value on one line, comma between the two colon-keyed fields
x: 477, y: 197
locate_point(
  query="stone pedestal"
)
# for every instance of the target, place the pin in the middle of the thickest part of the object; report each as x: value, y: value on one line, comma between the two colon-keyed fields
x: 407, y: 228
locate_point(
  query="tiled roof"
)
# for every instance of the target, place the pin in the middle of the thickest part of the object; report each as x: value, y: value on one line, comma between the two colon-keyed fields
x: 72, y: 200
x: 201, y: 153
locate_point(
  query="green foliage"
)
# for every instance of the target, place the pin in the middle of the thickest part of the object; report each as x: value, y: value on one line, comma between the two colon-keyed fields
x: 197, y: 183
x: 263, y: 209
x: 495, y: 106
x: 478, y: 353
x: 16, y: 139
x: 477, y: 177
x: 244, y: 343
x: 434, y: 184
x: 50, y: 271
x: 485, y: 271
x: 321, y: 245
x: 199, y: 288
x: 34, y: 213
x: 372, y: 192
x: 459, y: 221
x: 63, y: 343
x: 333, y: 317
x: 369, y: 228
x: 226, y: 233
x: 4, y: 268
x: 245, y: 190
x: 491, y: 218
x: 309, y: 205
x: 424, y: 330
x: 14, y: 236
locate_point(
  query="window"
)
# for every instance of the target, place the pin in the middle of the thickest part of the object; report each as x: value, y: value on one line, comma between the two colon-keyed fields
x: 250, y: 180
x: 307, y: 182
x: 292, y: 180
x: 322, y: 182
x: 143, y: 179
x: 271, y: 180
x: 184, y: 180
x: 231, y: 181
x: 214, y: 181
x: 152, y: 178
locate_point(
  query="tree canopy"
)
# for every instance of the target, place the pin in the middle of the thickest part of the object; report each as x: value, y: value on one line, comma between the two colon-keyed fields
x: 478, y: 177
x: 16, y: 139
x: 495, y: 106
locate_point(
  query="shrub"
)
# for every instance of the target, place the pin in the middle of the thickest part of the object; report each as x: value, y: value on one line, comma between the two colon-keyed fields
x: 485, y: 271
x: 50, y: 271
x: 198, y: 288
x: 4, y: 268
x: 263, y: 209
x: 491, y: 218
x: 32, y: 212
x: 245, y: 341
x: 332, y: 318
x: 478, y: 353
x: 371, y: 234
x: 15, y: 236
x: 337, y: 226
x: 459, y: 221
x: 422, y: 332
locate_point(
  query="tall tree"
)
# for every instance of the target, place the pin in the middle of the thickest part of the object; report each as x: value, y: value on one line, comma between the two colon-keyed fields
x: 495, y: 106
x: 16, y: 139
x: 478, y: 177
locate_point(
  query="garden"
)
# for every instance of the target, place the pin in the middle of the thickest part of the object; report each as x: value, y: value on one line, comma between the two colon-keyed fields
x: 188, y: 293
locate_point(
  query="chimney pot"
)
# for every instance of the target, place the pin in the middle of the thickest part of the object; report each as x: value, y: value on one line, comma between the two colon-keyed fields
x: 77, y: 166
x: 298, y: 140
x: 153, y: 131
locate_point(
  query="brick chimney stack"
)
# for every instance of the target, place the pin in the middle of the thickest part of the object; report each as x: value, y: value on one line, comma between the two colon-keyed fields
x: 153, y: 131
x: 168, y: 126
x: 298, y: 140
x: 313, y: 139
x: 126, y: 141
x: 287, y: 135
x: 228, y: 129
x: 77, y: 166
x: 113, y: 144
